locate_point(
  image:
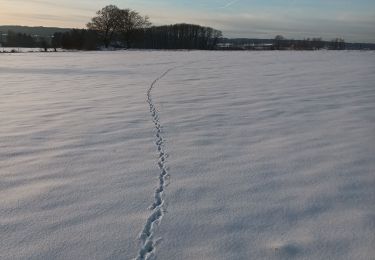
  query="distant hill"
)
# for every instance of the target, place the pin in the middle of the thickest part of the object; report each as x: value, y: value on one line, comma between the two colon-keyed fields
x: 40, y: 31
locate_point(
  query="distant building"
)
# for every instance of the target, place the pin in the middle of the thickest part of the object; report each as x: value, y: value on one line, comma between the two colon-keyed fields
x: 224, y: 46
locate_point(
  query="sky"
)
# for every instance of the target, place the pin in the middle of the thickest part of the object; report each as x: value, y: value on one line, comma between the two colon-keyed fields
x: 353, y: 20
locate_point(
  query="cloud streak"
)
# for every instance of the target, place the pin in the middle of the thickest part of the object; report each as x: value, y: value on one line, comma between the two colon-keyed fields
x: 229, y: 4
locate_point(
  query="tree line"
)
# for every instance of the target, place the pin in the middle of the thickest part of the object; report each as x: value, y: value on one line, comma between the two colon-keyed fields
x: 126, y: 28
x: 113, y: 27
x: 177, y: 36
x: 281, y: 43
x: 13, y: 39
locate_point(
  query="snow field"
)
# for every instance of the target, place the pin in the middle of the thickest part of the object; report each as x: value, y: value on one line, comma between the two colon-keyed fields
x: 270, y: 155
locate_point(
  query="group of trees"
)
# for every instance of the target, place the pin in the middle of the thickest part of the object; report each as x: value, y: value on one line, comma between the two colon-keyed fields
x: 112, y: 21
x: 337, y: 44
x: 127, y: 28
x: 77, y: 39
x: 178, y: 36
x: 14, y: 39
x: 280, y: 43
x: 19, y: 40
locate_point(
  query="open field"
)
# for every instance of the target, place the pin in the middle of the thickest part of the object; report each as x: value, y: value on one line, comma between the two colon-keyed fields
x: 236, y: 155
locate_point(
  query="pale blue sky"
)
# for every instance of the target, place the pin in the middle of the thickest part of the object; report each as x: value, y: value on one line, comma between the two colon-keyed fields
x: 353, y: 20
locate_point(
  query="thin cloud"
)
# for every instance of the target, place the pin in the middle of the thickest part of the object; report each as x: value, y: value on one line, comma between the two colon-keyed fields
x: 229, y: 4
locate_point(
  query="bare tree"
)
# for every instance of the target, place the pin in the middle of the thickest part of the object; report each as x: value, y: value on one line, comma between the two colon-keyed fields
x: 106, y: 23
x: 278, y: 42
x: 129, y: 22
x: 111, y: 20
x: 337, y: 44
x: 317, y: 43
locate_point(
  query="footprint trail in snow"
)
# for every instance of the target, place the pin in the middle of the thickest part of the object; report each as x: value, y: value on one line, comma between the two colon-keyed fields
x: 147, y: 238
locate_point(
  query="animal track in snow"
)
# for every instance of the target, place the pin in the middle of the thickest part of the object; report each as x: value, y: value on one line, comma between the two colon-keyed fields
x: 148, y: 241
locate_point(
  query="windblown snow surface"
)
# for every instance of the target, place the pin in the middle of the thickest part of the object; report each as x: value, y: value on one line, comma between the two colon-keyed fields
x: 187, y: 155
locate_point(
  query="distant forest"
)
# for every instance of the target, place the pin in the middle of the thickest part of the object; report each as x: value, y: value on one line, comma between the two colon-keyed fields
x: 117, y: 28
x: 281, y: 43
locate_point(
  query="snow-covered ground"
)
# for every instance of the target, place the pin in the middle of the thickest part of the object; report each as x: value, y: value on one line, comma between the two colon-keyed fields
x: 23, y: 50
x: 270, y: 155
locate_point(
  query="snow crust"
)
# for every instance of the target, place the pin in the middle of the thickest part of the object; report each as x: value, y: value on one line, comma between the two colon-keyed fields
x: 270, y: 154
